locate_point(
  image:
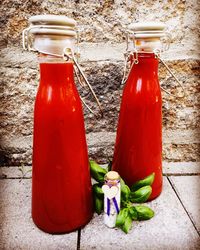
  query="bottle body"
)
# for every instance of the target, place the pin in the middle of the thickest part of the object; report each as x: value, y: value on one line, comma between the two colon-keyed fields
x: 138, y: 147
x: 61, y: 185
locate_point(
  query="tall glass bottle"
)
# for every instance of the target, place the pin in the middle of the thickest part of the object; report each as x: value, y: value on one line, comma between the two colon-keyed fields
x: 61, y: 184
x: 138, y: 147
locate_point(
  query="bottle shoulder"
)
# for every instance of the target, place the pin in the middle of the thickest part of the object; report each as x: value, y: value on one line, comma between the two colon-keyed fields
x: 142, y: 92
x: 138, y: 85
x: 64, y: 95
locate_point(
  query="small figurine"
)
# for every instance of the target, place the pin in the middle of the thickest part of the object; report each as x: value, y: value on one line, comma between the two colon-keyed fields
x: 111, y: 190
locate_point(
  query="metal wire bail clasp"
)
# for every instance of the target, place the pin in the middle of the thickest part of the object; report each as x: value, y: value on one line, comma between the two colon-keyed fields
x: 131, y: 55
x: 166, y: 40
x: 69, y: 54
x: 157, y: 55
x: 26, y: 39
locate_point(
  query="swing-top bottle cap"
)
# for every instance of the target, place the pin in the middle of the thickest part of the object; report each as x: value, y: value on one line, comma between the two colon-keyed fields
x: 147, y: 29
x: 52, y: 19
x: 50, y: 34
x: 52, y: 25
x: 147, y: 36
x: 112, y: 175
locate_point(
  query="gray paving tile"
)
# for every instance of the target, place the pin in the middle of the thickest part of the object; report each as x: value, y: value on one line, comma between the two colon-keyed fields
x: 15, y: 172
x: 188, y: 189
x: 17, y: 230
x: 171, y: 229
x: 181, y: 168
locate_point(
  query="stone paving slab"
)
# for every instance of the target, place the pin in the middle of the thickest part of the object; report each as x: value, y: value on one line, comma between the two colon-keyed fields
x: 15, y: 172
x: 170, y: 229
x: 181, y: 168
x: 188, y: 189
x: 17, y: 230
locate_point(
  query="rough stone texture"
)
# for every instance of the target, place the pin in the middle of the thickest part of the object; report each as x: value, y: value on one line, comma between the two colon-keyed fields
x: 105, y: 20
x: 188, y: 186
x: 16, y: 227
x: 175, y: 229
x: 102, y: 50
x: 181, y: 168
x: 169, y: 169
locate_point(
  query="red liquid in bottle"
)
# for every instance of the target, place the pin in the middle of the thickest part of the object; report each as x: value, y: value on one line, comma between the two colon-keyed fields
x: 138, y: 148
x: 61, y: 184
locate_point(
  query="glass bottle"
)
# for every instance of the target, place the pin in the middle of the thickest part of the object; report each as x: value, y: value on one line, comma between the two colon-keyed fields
x: 138, y: 147
x: 61, y: 184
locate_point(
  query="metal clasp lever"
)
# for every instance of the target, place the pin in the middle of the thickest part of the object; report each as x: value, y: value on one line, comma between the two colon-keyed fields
x: 68, y: 54
x: 157, y: 55
x: 129, y: 57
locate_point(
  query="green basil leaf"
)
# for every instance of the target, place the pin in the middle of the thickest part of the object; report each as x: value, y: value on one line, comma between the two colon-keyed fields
x: 144, y: 212
x: 97, y: 172
x: 97, y: 190
x: 125, y: 192
x: 121, y: 217
x: 133, y: 213
x: 127, y: 225
x: 122, y: 182
x: 148, y: 181
x: 141, y: 195
x: 98, y: 204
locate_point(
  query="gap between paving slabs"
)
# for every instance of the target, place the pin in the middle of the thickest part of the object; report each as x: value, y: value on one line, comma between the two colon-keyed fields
x: 28, y: 235
x: 187, y: 191
x: 182, y: 169
x: 171, y: 228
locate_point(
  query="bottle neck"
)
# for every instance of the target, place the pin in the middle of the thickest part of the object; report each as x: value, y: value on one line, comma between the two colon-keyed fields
x: 147, y: 65
x: 55, y: 71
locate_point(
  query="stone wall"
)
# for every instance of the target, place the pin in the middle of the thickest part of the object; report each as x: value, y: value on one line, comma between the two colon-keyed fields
x: 102, y: 46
